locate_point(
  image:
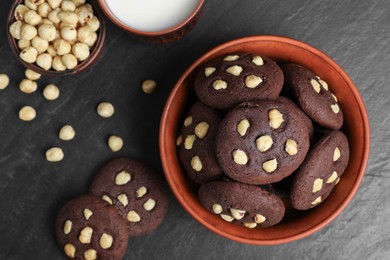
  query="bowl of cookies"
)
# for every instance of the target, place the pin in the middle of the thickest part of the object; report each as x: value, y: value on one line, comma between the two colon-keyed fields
x: 56, y: 37
x: 264, y: 140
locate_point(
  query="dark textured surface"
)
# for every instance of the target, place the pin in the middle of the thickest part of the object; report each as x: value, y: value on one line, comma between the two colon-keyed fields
x: 354, y: 33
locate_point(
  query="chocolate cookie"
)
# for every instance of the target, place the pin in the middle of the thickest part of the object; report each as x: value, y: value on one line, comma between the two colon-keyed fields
x: 262, y: 142
x: 321, y: 171
x: 87, y: 228
x: 241, y: 203
x: 234, y: 78
x: 314, y: 96
x: 136, y: 191
x: 197, y: 144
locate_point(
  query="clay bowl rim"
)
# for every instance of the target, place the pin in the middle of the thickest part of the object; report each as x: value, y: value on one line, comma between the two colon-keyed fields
x: 112, y: 17
x: 168, y: 150
x: 86, y: 64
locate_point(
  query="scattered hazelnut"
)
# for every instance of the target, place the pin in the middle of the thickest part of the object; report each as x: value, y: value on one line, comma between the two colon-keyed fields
x: 28, y: 32
x: 32, y: 75
x: 252, y: 81
x: 291, y: 147
x: 237, y: 213
x: 188, y: 121
x: 54, y: 154
x: 70, y: 61
x: 259, y: 219
x: 149, y: 86
x: 227, y: 217
x: 66, y: 133
x: 317, y: 201
x: 28, y: 86
x: 107, y: 199
x: 105, y: 109
x: 220, y: 84
x: 179, y: 140
x: 27, y: 113
x: 189, y: 142
x: 335, y: 108
x: 122, y: 198
x: 80, y: 51
x: 4, y: 81
x: 29, y: 55
x: 51, y: 92
x: 196, y: 163
x: 15, y: 29
x: 87, y: 213
x: 115, y: 143
x: 217, y: 209
x: 275, y: 118
x: 141, y: 192
x: 271, y: 165
x: 44, y: 61
x: 324, y: 84
x: 250, y: 224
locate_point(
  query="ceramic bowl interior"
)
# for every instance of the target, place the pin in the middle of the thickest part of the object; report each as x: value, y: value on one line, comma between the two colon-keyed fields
x: 94, y: 56
x: 296, y: 224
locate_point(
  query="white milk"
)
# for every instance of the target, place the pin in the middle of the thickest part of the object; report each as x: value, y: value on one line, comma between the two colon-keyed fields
x: 151, y: 15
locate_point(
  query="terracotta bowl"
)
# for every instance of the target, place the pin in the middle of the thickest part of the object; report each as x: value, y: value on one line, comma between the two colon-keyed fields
x: 296, y: 224
x: 166, y: 36
x: 95, y: 52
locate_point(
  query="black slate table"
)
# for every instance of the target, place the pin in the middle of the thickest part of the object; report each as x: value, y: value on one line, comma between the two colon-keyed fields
x: 355, y: 33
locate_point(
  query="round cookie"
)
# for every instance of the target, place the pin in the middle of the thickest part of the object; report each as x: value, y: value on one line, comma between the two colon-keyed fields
x: 320, y: 172
x: 234, y: 78
x: 136, y: 191
x: 240, y: 203
x: 314, y: 96
x: 197, y: 144
x: 87, y: 228
x: 262, y: 142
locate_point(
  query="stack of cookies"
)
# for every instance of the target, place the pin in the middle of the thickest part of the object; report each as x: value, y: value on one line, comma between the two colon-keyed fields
x: 258, y: 127
x: 127, y: 198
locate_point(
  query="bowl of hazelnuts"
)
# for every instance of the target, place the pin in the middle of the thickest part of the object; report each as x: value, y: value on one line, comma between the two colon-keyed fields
x: 56, y: 37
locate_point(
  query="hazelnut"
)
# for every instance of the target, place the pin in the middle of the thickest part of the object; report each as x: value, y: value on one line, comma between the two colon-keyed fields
x: 53, y: 16
x: 208, y: 71
x: 149, y: 204
x: 54, y: 3
x: 84, y: 33
x: 4, y: 81
x: 250, y: 224
x: 90, y: 254
x: 188, y: 121
x: 336, y: 154
x: 291, y: 147
x: 227, y: 217
x: 79, y: 2
x: 54, y: 154
x: 258, y: 60
x: 105, y: 109
x: 44, y: 10
x: 264, y: 143
x: 317, y: 201
x: 237, y: 213
x: 58, y: 65
x: 201, y: 129
x: 234, y: 70
x: 93, y: 40
x: 240, y: 157
x: 335, y: 108
x: 47, y: 32
x: 122, y: 198
x: 66, y: 133
x: 105, y: 241
x: 68, y: 5
x: 70, y: 250
x: 32, y: 75
x: 27, y: 113
x: 107, y: 199
x: 28, y: 32
x: 68, y: 17
x: 317, y: 185
x: 275, y: 118
x: 231, y: 58
x: 70, y: 61
x: 252, y: 81
x: 23, y: 44
x: 69, y: 33
x: 196, y: 163
x: 29, y: 55
x: 316, y: 86
x: 62, y: 47
x: 220, y: 84
x: 28, y: 86
x: 39, y: 44
x: 115, y: 143
x: 86, y: 235
x: 15, y: 29
x: 51, y: 92
x: 122, y: 178
x: 189, y: 142
x: 217, y: 209
x: 19, y: 12
x: 30, y: 4
x: 271, y: 165
x: 332, y: 177
x: 44, y: 61
x: 87, y: 213
x: 50, y: 50
x: 84, y: 13
x: 149, y: 86
x: 259, y: 219
x: 324, y: 84
x: 94, y: 23
x: 32, y: 18
x: 133, y: 216
x: 141, y: 192
x: 80, y: 51
x: 67, y: 227
x: 243, y: 126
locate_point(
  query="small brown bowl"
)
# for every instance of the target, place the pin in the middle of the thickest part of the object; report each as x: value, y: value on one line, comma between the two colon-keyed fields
x: 165, y: 36
x: 94, y: 56
x: 296, y: 224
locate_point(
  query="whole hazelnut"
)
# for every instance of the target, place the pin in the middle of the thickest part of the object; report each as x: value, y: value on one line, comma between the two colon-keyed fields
x: 94, y: 23
x: 44, y: 61
x: 67, y: 133
x: 22, y: 44
x: 68, y: 5
x: 54, y: 3
x: 28, y: 86
x: 30, y: 4
x: 27, y: 113
x: 47, y: 32
x: 32, y: 75
x: 68, y: 17
x: 29, y: 55
x: 53, y: 16
x: 70, y: 61
x: 54, y: 154
x: 93, y: 40
x: 57, y: 64
x: 84, y: 33
x: 39, y: 44
x: 51, y: 92
x: 19, y: 12
x: 69, y: 34
x: 28, y: 32
x: 44, y: 10
x: 79, y: 2
x: 4, y: 81
x: 115, y: 143
x: 15, y: 29
x: 51, y: 51
x: 84, y: 13
x: 80, y: 51
x: 62, y: 47
x: 32, y: 18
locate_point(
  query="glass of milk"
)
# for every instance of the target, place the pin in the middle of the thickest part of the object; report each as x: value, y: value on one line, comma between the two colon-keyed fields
x: 160, y: 21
